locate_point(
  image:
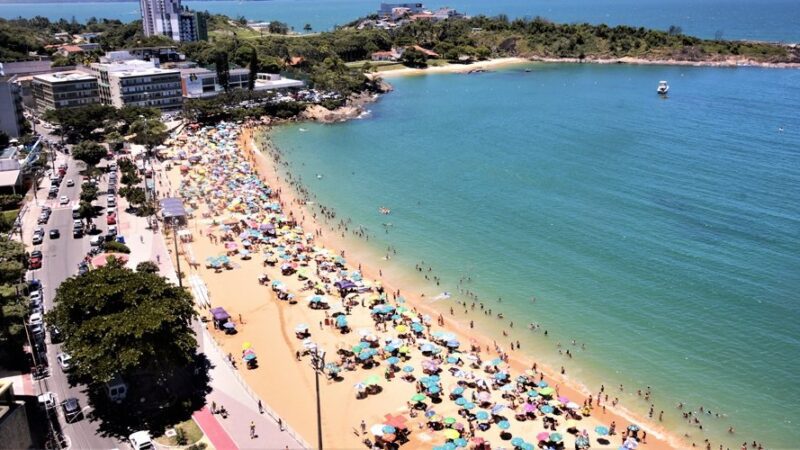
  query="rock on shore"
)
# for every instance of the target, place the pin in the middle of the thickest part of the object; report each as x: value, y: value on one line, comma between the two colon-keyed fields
x: 353, y: 108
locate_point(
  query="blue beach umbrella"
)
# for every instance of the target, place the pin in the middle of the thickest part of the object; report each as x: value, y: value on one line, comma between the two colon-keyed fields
x: 547, y: 409
x: 497, y: 408
x: 408, y: 369
x: 542, y: 384
x: 532, y: 394
x: 453, y: 343
x: 341, y: 322
x: 451, y: 360
x: 504, y: 425
x: 434, y: 390
x: 500, y: 376
x: 482, y: 415
x: 517, y: 441
x: 460, y: 442
x: 450, y: 446
x: 393, y: 360
x: 461, y: 401
x: 469, y: 405
x: 528, y: 446
x: 457, y: 391
x: 388, y: 429
x: 601, y: 430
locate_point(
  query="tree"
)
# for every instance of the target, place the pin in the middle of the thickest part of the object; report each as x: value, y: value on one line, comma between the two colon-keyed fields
x: 4, y: 139
x: 135, y: 195
x: 414, y: 58
x: 80, y: 123
x: 147, y: 266
x: 223, y: 70
x: 136, y: 325
x: 12, y: 309
x: 88, y: 192
x: 149, y: 133
x: 89, y: 152
x: 130, y: 178
x: 253, y: 66
x: 114, y: 140
x: 307, y: 28
x: 276, y: 27
x: 129, y: 114
x: 86, y: 211
x: 115, y: 247
x: 119, y: 321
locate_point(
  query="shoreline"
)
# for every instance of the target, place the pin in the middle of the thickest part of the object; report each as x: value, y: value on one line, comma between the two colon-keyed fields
x: 519, y: 360
x: 497, y: 63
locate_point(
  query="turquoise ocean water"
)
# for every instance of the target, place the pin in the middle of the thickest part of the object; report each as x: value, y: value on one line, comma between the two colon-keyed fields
x: 663, y: 233
x: 774, y: 20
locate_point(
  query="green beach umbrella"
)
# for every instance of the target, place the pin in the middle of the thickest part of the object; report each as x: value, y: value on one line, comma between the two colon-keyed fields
x: 372, y: 380
x: 546, y: 391
x: 418, y: 398
x: 556, y: 437
x: 449, y: 420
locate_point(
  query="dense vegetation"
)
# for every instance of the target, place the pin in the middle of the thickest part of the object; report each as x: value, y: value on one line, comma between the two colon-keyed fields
x: 13, y: 305
x: 135, y: 325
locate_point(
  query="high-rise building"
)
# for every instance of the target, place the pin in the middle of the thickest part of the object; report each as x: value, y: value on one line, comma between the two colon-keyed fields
x: 168, y: 18
x: 193, y: 26
x: 161, y: 18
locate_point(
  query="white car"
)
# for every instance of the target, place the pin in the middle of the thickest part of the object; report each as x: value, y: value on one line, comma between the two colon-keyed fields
x: 63, y: 200
x: 47, y: 400
x: 96, y: 240
x: 65, y: 361
x: 70, y: 182
x: 111, y: 200
x: 141, y: 441
x: 35, y: 319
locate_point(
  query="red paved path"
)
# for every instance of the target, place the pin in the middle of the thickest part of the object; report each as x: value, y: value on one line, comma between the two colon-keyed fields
x: 213, y: 430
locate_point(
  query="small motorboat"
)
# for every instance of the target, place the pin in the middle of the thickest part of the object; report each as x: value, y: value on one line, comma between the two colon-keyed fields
x: 663, y: 88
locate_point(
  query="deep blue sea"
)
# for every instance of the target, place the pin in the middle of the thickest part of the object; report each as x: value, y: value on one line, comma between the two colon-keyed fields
x: 772, y: 20
x: 662, y: 233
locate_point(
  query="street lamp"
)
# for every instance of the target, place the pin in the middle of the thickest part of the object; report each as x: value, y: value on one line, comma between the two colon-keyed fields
x: 318, y: 364
x: 177, y: 256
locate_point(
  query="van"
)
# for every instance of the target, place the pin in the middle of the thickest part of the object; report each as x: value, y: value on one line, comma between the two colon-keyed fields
x: 117, y: 389
x: 76, y: 212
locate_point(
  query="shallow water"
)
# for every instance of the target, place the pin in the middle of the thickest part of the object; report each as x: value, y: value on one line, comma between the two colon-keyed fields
x: 773, y: 20
x: 663, y: 233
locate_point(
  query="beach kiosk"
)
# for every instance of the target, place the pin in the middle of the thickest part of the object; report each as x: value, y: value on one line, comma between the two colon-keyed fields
x: 221, y: 320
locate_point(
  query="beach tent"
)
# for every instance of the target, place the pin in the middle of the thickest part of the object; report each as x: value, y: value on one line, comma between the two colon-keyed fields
x: 220, y: 317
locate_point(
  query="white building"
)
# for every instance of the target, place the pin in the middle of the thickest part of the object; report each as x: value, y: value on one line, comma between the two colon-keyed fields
x: 138, y: 83
x: 62, y: 90
x: 202, y: 83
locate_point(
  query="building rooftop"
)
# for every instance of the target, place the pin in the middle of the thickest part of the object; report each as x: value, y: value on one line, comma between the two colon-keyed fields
x: 64, y: 76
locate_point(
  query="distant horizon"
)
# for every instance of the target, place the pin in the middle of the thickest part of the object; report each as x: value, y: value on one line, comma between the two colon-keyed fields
x: 100, y: 1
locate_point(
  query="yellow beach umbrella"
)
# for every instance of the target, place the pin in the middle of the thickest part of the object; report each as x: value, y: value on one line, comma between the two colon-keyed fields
x: 401, y: 329
x: 246, y: 345
x: 451, y: 433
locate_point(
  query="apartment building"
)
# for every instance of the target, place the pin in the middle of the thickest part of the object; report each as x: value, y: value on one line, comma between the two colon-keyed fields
x: 138, y: 83
x: 63, y: 90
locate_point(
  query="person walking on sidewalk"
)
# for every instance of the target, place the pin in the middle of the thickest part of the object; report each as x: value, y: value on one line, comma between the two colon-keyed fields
x: 252, y: 430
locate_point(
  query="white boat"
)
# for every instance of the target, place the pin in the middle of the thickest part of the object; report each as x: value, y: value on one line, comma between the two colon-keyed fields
x: 663, y: 88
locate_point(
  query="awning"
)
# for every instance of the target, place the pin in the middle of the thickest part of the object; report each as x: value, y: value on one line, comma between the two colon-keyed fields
x: 172, y: 207
x: 9, y: 178
x: 220, y: 314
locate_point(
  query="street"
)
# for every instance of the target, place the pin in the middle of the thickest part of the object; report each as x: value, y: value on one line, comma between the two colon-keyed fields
x: 60, y: 261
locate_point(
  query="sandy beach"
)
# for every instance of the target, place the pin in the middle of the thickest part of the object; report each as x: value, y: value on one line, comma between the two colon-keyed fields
x: 455, y: 68
x: 267, y: 325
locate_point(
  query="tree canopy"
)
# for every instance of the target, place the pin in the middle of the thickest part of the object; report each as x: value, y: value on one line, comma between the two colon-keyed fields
x: 117, y: 321
x: 149, y: 132
x: 12, y: 305
x: 89, y: 152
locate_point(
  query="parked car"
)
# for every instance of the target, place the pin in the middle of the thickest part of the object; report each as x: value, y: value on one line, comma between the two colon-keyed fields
x: 141, y: 441
x: 96, y: 240
x: 38, y: 236
x: 55, y: 234
x: 72, y: 409
x: 63, y: 200
x: 43, y: 218
x: 111, y: 219
x: 35, y: 261
x: 55, y: 335
x: 35, y: 319
x: 47, y: 400
x: 64, y: 361
x: 70, y: 182
x: 83, y: 268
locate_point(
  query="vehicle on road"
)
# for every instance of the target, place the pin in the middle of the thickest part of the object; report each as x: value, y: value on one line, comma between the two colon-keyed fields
x: 141, y: 441
x: 111, y: 219
x: 76, y: 212
x: 77, y: 228
x: 111, y: 200
x: 47, y: 400
x: 35, y: 261
x: 70, y: 182
x: 63, y: 200
x: 64, y: 361
x: 96, y: 240
x: 72, y: 409
x: 55, y: 335
x: 38, y: 236
x: 55, y: 234
x: 35, y: 319
x: 44, y: 217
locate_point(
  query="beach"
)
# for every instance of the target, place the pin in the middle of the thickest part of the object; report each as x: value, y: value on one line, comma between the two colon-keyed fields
x: 267, y: 325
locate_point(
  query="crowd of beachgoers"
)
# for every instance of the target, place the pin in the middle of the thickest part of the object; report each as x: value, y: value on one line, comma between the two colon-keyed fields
x: 442, y: 388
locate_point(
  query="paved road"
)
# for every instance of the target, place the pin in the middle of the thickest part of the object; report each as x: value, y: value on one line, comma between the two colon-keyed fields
x: 61, y: 258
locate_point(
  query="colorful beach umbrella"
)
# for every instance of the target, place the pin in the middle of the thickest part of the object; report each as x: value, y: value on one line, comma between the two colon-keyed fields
x: 504, y: 425
x: 408, y: 369
x: 451, y: 433
x: 543, y: 436
x: 601, y: 430
x: 420, y: 398
x: 482, y: 415
x: 556, y: 437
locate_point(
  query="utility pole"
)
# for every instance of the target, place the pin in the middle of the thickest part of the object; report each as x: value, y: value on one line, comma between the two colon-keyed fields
x: 177, y: 256
x: 318, y: 364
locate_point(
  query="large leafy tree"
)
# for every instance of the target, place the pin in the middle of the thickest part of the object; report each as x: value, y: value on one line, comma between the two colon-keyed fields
x: 89, y: 152
x: 253, y: 67
x: 117, y: 321
x: 149, y: 133
x: 80, y: 123
x: 12, y: 309
x: 223, y: 70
